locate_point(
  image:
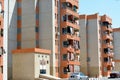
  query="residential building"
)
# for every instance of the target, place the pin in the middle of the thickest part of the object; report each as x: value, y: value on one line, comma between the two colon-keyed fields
x: 69, y: 38
x: 32, y: 24
x: 116, y: 35
x: 96, y: 45
x: 1, y: 37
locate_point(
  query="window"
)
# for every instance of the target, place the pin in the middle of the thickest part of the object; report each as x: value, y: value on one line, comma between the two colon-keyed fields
x: 42, y: 71
x: 64, y: 18
x: 1, y: 32
x: 18, y: 30
x: 66, y: 69
x: 0, y: 22
x: 88, y: 59
x: 65, y: 43
x: 18, y: 43
x: 36, y: 29
x: 55, y: 16
x: 106, y: 59
x: 64, y: 30
x: 1, y: 69
x: 64, y: 57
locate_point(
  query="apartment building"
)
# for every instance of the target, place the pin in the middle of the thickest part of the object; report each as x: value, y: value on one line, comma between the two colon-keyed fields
x: 48, y: 24
x: 69, y: 38
x: 116, y: 35
x: 96, y: 45
x: 1, y: 38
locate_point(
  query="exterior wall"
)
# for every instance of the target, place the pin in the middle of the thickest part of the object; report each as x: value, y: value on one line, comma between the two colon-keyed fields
x: 93, y: 49
x: 10, y: 32
x: 47, y: 29
x: 28, y: 24
x: 116, y: 35
x: 117, y: 66
x: 83, y: 47
x: 1, y: 39
x: 23, y: 66
x: 116, y: 45
x: 38, y: 64
x: 95, y: 44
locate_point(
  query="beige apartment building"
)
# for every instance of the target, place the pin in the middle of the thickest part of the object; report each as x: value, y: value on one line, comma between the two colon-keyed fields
x: 96, y: 43
x: 116, y: 35
x: 41, y: 27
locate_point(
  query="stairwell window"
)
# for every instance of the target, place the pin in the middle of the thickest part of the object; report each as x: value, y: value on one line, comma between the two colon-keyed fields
x: 64, y: 57
x: 65, y: 43
x: 1, y: 32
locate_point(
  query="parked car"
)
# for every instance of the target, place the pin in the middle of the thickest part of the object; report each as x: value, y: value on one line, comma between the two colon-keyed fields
x: 78, y: 76
x: 114, y: 75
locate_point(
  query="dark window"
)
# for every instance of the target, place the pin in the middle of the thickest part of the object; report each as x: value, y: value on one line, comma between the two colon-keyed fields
x: 36, y: 29
x: 64, y: 56
x: 18, y: 30
x: 19, y: 43
x: 65, y: 18
x: 106, y: 59
x: 66, y: 69
x: 1, y: 32
x: 64, y: 30
x: 43, y: 71
x: 65, y: 43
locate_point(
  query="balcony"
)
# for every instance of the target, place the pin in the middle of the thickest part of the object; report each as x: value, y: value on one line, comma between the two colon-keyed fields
x: 73, y: 2
x: 1, y: 60
x: 106, y: 36
x: 107, y: 45
x: 65, y: 63
x: 107, y: 64
x: 68, y: 23
x: 108, y: 55
x: 66, y: 49
x: 104, y: 28
x: 68, y: 36
x: 69, y: 11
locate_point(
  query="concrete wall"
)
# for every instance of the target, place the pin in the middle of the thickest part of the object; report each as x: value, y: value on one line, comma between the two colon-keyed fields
x: 47, y: 29
x: 23, y: 66
x: 10, y: 32
x: 83, y: 46
x: 116, y: 45
x: 28, y: 24
x: 38, y: 66
x: 117, y: 66
x: 93, y: 47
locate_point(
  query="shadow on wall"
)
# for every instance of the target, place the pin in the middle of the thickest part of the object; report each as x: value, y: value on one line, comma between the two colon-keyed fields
x: 12, y: 34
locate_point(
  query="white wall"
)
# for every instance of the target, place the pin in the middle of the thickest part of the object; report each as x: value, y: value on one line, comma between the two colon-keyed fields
x: 47, y: 29
x: 10, y: 31
x: 83, y: 46
x: 116, y: 45
x: 94, y: 46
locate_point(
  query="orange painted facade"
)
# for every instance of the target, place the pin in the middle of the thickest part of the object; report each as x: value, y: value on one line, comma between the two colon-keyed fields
x: 69, y: 29
x: 1, y: 38
x: 107, y: 45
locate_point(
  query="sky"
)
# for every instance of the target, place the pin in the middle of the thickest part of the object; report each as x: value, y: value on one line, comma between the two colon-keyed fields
x: 108, y: 7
